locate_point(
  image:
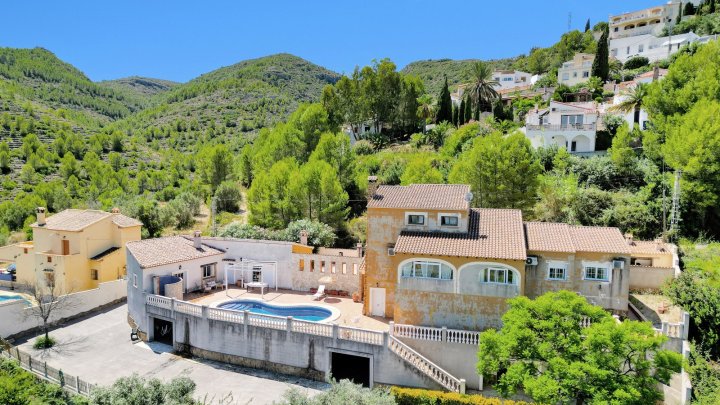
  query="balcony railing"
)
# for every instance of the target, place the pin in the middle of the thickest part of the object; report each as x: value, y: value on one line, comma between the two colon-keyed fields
x: 562, y: 127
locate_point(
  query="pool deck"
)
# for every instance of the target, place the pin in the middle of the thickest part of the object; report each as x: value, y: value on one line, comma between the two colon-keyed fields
x: 350, y: 312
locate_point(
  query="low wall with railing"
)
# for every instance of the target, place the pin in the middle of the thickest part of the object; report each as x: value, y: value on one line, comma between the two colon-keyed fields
x: 281, y: 344
x: 41, y: 369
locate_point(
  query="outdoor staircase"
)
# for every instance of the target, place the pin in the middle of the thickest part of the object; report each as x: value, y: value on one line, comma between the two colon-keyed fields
x: 425, y: 366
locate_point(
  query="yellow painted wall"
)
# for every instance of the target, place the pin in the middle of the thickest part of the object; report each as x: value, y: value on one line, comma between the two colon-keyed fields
x: 301, y: 249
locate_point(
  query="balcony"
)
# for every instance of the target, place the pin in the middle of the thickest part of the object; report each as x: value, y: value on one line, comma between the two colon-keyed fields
x: 562, y: 127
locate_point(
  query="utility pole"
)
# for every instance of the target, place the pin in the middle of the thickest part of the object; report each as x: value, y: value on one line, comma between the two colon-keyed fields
x: 213, y: 214
x: 569, y: 21
x: 675, y: 213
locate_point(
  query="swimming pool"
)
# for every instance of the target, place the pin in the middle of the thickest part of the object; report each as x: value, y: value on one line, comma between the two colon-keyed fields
x: 305, y: 312
x: 4, y: 298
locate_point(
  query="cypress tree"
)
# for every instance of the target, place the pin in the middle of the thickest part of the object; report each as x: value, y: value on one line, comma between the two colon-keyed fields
x: 601, y: 64
x: 587, y: 25
x: 444, y: 105
x: 468, y: 109
x: 461, y: 113
x: 712, y: 6
x: 455, y: 115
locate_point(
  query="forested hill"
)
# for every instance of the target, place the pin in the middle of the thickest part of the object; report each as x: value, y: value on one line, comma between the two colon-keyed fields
x: 432, y: 72
x: 248, y: 95
x: 37, y: 78
x: 139, y: 87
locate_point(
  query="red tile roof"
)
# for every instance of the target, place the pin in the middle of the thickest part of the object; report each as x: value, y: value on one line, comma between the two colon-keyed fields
x: 74, y: 220
x: 422, y: 196
x: 558, y: 237
x: 492, y: 234
x: 167, y: 250
x: 648, y: 247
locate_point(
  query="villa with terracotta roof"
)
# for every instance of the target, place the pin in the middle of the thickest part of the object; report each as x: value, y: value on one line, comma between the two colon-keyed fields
x: 433, y: 260
x: 74, y: 249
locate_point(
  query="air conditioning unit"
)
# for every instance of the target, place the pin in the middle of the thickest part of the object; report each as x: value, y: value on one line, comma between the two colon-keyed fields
x: 531, y: 261
x: 619, y: 263
x: 391, y: 251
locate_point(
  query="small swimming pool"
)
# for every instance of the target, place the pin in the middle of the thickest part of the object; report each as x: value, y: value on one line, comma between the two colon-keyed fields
x: 4, y: 298
x: 305, y: 312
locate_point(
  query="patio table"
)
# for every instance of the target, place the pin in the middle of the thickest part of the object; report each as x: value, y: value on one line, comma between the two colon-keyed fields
x: 260, y: 285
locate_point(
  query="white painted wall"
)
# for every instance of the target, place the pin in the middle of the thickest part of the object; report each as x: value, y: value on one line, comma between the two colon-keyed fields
x: 15, y: 315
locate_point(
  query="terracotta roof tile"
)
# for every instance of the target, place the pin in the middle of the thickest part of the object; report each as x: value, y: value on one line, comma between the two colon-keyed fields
x: 648, y: 247
x: 73, y: 220
x: 422, y: 196
x: 167, y: 250
x: 125, y: 221
x: 492, y: 234
x: 559, y: 237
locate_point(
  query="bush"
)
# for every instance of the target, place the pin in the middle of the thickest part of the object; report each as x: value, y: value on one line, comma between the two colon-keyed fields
x: 636, y: 62
x: 228, y: 197
x: 44, y: 343
x: 343, y: 392
x: 136, y: 390
x: 18, y: 386
x: 414, y: 396
x: 363, y: 147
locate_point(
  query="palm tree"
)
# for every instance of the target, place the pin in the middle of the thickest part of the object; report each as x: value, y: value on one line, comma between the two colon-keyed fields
x: 633, y: 101
x: 426, y: 108
x: 482, y: 85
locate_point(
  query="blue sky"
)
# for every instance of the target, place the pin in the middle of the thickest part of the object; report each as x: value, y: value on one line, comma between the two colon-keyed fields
x: 179, y: 40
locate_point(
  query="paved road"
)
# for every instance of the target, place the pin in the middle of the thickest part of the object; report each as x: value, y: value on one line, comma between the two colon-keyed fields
x: 97, y: 348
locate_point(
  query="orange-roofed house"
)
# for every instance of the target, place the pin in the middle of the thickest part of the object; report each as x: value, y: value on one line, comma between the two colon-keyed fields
x: 74, y: 249
x: 433, y: 260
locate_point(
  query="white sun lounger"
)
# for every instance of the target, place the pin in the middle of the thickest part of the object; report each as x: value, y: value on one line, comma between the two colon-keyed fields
x: 320, y: 293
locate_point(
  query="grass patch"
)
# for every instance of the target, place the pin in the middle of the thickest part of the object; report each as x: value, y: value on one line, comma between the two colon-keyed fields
x: 44, y: 342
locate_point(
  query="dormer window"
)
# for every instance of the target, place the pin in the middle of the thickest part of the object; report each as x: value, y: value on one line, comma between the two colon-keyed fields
x: 415, y: 218
x: 449, y: 220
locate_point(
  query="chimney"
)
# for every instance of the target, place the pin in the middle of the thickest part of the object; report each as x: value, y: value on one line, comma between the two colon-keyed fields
x: 197, y: 240
x: 659, y: 244
x: 115, y: 210
x: 40, y: 211
x: 629, y: 238
x: 372, y: 186
x: 304, y: 237
x: 359, y: 248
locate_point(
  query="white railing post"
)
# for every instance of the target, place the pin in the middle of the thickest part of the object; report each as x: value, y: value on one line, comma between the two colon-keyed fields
x: 443, y: 333
x: 386, y: 339
x: 462, y: 385
x: 664, y: 328
x: 335, y: 332
x: 391, y: 326
x: 172, y: 307
x: 685, y: 325
x: 246, y: 323
x: 204, y: 311
x: 289, y: 324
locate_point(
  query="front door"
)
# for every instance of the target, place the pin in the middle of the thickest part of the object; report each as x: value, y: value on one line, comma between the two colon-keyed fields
x: 377, y: 302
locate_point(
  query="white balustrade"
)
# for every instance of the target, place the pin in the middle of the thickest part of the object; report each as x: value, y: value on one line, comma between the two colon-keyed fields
x: 311, y: 328
x: 372, y: 337
x: 268, y: 321
x: 219, y: 314
x: 185, y: 307
x: 436, y: 334
x: 158, y: 301
x: 467, y: 337
x: 427, y: 367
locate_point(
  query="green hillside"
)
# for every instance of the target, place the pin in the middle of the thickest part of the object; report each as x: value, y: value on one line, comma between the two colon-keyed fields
x: 139, y: 88
x: 432, y: 72
x: 241, y: 98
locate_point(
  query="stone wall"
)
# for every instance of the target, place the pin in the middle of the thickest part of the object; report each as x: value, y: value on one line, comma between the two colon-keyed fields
x: 457, y: 311
x: 308, y: 269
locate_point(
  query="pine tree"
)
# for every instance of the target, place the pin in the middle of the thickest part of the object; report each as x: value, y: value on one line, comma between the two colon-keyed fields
x: 444, y: 105
x: 587, y: 25
x: 468, y: 109
x: 461, y: 113
x: 601, y: 65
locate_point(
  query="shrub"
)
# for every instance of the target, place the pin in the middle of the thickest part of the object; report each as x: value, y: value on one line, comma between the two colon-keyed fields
x: 363, y: 147
x: 44, y: 343
x: 414, y: 396
x: 228, y: 197
x: 343, y: 392
x: 636, y: 62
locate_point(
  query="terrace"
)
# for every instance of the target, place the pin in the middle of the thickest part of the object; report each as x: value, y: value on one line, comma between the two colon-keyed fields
x: 350, y: 312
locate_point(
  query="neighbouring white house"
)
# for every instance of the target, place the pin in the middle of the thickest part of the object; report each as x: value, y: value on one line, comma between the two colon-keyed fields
x: 360, y: 132
x: 510, y: 79
x: 647, y: 21
x: 650, y: 46
x: 569, y: 125
x: 621, y: 91
x: 576, y: 70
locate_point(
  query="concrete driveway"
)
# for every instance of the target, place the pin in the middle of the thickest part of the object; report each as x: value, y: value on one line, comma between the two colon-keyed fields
x: 98, y: 349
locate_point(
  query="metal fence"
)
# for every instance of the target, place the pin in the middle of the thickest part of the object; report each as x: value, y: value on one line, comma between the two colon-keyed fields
x: 40, y: 368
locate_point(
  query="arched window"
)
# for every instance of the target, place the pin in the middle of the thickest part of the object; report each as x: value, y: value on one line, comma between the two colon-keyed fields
x: 426, y: 269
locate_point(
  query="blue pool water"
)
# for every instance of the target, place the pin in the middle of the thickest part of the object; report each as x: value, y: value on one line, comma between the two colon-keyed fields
x: 305, y: 313
x: 4, y: 298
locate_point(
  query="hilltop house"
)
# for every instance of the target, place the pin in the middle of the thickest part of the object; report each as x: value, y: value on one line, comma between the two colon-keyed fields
x: 576, y: 70
x: 569, y: 125
x: 75, y: 249
x: 642, y: 22
x: 432, y: 259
